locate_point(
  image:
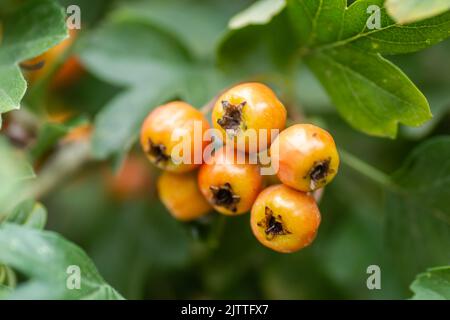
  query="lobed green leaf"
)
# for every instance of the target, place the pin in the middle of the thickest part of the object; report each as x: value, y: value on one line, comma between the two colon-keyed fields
x: 344, y: 53
x: 371, y: 93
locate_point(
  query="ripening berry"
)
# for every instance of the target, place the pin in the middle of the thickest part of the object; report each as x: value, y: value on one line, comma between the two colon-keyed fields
x: 242, y: 111
x: 284, y: 219
x: 307, y: 157
x: 180, y: 194
x: 67, y: 72
x: 159, y: 143
x: 133, y: 181
x: 70, y: 71
x: 229, y: 186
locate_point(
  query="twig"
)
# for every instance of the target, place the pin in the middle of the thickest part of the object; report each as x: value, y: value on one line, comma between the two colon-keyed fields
x: 366, y: 169
x: 67, y: 161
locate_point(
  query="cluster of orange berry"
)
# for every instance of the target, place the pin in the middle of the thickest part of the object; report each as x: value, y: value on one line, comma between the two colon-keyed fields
x: 284, y: 216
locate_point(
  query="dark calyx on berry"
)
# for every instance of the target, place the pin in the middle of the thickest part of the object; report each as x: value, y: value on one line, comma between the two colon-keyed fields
x: 319, y: 172
x: 157, y: 152
x: 232, y: 118
x: 224, y: 197
x: 32, y: 67
x: 273, y: 226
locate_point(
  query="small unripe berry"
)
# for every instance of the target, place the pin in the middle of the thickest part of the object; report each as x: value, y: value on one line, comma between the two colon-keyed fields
x: 307, y: 157
x: 157, y: 135
x: 247, y: 108
x: 180, y: 194
x: 284, y: 219
x: 231, y: 188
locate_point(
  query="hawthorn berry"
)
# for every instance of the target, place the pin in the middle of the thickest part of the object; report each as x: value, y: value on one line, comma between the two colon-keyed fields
x: 245, y: 109
x: 230, y: 187
x: 133, y: 181
x: 284, y: 219
x: 67, y: 72
x: 307, y: 157
x: 157, y: 140
x: 181, y: 196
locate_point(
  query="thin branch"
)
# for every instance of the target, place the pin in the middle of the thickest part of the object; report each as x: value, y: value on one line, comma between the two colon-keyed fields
x: 367, y: 170
x: 66, y: 162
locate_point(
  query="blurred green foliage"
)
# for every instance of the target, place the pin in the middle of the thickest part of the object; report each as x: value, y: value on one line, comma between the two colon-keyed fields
x: 138, y: 54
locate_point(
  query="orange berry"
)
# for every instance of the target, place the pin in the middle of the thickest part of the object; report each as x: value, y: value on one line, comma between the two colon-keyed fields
x: 231, y: 188
x: 181, y: 196
x: 157, y: 140
x: 284, y: 219
x: 242, y: 111
x: 134, y: 180
x: 66, y: 74
x: 307, y: 157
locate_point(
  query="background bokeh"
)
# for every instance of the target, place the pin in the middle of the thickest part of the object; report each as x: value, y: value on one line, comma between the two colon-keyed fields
x: 138, y: 54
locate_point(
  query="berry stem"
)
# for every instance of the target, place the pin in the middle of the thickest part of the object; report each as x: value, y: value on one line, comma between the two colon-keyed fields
x: 366, y: 169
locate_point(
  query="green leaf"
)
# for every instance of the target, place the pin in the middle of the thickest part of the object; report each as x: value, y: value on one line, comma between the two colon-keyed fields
x: 391, y: 37
x: 14, y: 173
x: 12, y: 88
x: 258, y: 49
x: 432, y: 285
x: 344, y: 53
x: 154, y: 64
x: 155, y: 238
x: 406, y: 11
x: 260, y: 12
x: 132, y: 53
x: 27, y: 32
x: 418, y: 215
x: 31, y: 30
x: 197, y: 26
x: 45, y: 257
x: 371, y: 93
x: 28, y: 213
x: 317, y: 22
